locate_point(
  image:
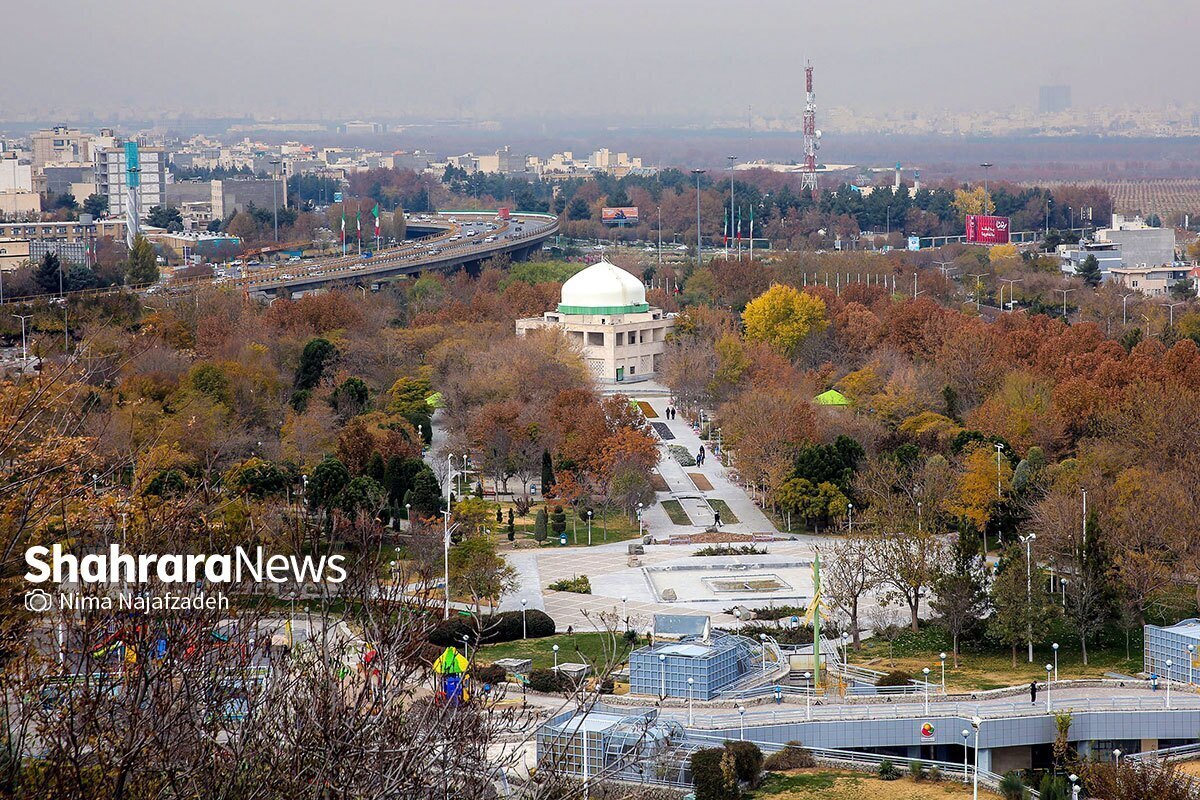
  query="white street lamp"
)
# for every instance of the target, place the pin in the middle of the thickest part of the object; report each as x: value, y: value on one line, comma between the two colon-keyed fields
x: 662, y: 676
x: 640, y: 529
x: 1055, y: 648
x: 763, y: 638
x: 1191, y: 648
x: 524, y: 630
x: 742, y: 722
x: 589, y: 515
x: 942, y: 656
x: 625, y: 610
x: 555, y: 649
x: 850, y: 516
x: 1168, y: 683
x: 737, y: 625
x: 1028, y: 540
x: 691, y: 681
x: 1117, y: 756
x: 1049, y: 669
x: 976, y: 723
x: 925, y: 672
x: 966, y: 748
x: 1074, y: 779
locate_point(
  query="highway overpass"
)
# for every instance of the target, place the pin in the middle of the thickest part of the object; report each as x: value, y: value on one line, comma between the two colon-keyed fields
x: 459, y: 239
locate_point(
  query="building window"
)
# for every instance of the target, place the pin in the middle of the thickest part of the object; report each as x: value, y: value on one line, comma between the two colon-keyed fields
x: 620, y: 338
x: 595, y: 338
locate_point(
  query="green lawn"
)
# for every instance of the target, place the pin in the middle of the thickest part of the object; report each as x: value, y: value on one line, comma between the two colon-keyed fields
x: 984, y: 665
x: 676, y: 513
x: 727, y: 515
x: 598, y: 649
x: 615, y: 527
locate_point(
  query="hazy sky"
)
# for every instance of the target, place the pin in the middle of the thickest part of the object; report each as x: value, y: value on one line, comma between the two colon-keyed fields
x: 648, y: 59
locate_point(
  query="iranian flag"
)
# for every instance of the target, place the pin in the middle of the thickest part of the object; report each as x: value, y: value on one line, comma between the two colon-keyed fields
x: 375, y: 214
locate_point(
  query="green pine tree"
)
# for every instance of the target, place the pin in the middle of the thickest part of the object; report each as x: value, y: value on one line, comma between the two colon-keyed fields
x: 539, y: 525
x: 143, y: 264
x: 547, y: 472
x: 1089, y: 271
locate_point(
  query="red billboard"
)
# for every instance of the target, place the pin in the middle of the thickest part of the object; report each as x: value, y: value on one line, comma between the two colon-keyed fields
x: 625, y: 215
x: 985, y: 229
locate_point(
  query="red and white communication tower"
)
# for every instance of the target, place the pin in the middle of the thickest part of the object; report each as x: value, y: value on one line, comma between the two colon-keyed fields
x: 812, y: 136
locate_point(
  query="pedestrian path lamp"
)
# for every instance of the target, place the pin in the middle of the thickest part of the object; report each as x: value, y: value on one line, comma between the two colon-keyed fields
x: 1054, y: 647
x: 555, y: 648
x: 742, y: 722
x: 1049, y: 669
x: 926, y: 673
x: 763, y: 638
x: 1168, y: 683
x: 942, y: 656
x: 524, y: 630
x: 966, y: 748
x: 589, y: 515
x: 639, y: 521
x: 1191, y: 658
x: 662, y: 676
x: 1074, y: 779
x: 1117, y: 756
x: 691, y: 682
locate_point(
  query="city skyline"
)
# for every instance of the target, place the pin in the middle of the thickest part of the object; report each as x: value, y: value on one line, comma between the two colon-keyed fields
x: 677, y: 62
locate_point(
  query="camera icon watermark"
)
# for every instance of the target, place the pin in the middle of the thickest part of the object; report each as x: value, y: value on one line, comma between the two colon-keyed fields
x: 38, y: 601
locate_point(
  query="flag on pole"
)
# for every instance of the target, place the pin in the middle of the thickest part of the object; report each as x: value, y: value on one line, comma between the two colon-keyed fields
x: 375, y: 213
x: 343, y: 229
x: 725, y: 230
x: 739, y: 223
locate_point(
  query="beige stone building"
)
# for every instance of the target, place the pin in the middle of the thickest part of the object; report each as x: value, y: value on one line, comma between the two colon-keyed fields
x: 604, y: 311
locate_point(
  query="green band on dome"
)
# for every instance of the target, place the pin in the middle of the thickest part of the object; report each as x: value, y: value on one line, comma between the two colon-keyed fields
x: 635, y: 308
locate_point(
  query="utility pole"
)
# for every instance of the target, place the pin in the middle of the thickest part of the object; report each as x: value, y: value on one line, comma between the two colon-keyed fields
x: 1011, y: 289
x: 275, y: 193
x: 24, y: 347
x: 986, y: 196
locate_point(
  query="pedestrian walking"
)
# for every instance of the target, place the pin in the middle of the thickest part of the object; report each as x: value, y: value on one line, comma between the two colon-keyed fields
x: 701, y: 459
x: 716, y: 518
x: 1032, y: 692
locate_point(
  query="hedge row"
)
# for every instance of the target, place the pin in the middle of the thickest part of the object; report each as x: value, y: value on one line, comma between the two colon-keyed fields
x: 503, y: 627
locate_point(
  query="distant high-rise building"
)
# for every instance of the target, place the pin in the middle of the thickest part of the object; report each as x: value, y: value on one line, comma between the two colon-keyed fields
x: 111, y: 175
x: 1053, y: 99
x: 60, y: 145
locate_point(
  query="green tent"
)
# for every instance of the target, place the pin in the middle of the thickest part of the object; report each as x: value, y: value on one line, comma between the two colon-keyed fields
x: 832, y: 398
x: 435, y: 400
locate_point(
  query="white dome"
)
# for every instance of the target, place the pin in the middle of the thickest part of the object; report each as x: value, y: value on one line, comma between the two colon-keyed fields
x: 603, y: 288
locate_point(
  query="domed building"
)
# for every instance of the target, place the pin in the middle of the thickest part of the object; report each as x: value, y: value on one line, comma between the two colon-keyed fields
x: 604, y: 310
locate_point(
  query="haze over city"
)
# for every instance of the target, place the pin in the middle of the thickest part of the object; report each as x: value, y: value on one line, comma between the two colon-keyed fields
x: 664, y: 61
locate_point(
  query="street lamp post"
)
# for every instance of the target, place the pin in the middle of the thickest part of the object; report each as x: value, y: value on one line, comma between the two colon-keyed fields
x: 555, y: 649
x: 1049, y: 670
x: 662, y: 676
x: 1117, y: 756
x: 24, y: 346
x: 762, y: 637
x: 978, y: 276
x: 524, y: 630
x: 925, y: 672
x: 999, y: 448
x: 850, y: 516
x: 976, y: 723
x: 942, y: 656
x: 1028, y: 540
x: 1054, y: 647
x: 699, y: 252
x: 737, y: 625
x: 1011, y: 290
x: 1064, y: 293
x: 1074, y: 779
x: 1062, y: 582
x: 1168, y: 683
x: 966, y: 748
x: 589, y: 516
x: 691, y: 682
x: 640, y: 528
x: 742, y: 723
x: 1191, y: 648
x: 1124, y: 308
x: 625, y: 610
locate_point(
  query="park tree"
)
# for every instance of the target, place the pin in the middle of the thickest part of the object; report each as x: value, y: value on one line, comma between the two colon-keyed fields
x: 1021, y: 609
x: 1090, y: 592
x: 49, y: 273
x: 784, y: 317
x: 95, y: 204
x: 982, y: 484
x: 327, y: 482
x: 1089, y: 271
x: 540, y: 525
x: 960, y: 596
x: 847, y: 578
x: 426, y: 495
x: 317, y: 354
x: 165, y: 217
x: 142, y: 267
x: 547, y: 472
x: 906, y: 565
x: 477, y: 571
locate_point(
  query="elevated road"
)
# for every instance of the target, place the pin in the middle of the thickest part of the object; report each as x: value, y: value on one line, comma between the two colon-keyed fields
x: 461, y: 240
